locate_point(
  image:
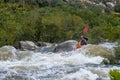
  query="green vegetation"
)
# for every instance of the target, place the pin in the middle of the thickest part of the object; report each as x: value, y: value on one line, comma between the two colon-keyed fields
x: 55, y: 21
x: 116, y: 60
x: 114, y: 74
x: 117, y: 8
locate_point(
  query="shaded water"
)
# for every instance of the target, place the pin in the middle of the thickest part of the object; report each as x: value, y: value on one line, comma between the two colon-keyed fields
x: 74, y: 65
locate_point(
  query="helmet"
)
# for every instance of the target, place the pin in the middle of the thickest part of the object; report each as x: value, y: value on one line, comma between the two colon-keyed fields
x: 82, y: 36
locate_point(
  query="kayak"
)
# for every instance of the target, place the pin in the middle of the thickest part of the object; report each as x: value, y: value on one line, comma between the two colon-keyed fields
x: 78, y: 46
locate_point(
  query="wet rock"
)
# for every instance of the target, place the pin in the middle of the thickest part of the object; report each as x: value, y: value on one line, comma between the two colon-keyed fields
x: 28, y: 45
x: 7, y: 52
x: 42, y: 44
x: 110, y: 4
x: 96, y: 50
x: 66, y: 46
x: 45, y: 49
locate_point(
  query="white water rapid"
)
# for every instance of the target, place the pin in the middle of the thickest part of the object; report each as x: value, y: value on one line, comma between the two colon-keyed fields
x: 73, y: 65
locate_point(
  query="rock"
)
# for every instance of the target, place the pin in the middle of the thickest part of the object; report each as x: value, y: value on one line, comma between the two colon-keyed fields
x: 44, y: 47
x: 66, y: 46
x: 110, y: 4
x: 28, y: 45
x: 39, y: 43
x: 48, y: 44
x: 42, y: 44
x: 96, y: 50
x: 7, y: 53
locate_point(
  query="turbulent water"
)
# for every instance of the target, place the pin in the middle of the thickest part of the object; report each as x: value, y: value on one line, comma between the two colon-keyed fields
x: 73, y: 65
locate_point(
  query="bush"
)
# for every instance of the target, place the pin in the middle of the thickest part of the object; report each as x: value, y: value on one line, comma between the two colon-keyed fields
x: 55, y: 24
x: 104, y: 33
x: 117, y: 54
x: 1, y: 1
x: 117, y: 8
x: 114, y: 74
x: 96, y: 9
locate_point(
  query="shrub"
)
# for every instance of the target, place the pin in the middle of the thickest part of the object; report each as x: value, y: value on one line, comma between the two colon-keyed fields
x: 117, y: 54
x: 55, y: 24
x: 114, y: 74
x: 117, y: 8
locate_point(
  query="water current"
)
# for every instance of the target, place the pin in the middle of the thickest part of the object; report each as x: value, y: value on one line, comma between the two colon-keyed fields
x: 73, y: 65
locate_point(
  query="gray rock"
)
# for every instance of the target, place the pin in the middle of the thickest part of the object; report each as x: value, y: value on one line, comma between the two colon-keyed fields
x: 66, y: 46
x: 96, y: 50
x: 7, y: 53
x: 46, y: 48
x: 28, y: 45
x: 110, y: 4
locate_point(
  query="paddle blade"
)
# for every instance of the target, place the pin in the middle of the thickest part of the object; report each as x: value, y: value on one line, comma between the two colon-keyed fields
x: 85, y: 30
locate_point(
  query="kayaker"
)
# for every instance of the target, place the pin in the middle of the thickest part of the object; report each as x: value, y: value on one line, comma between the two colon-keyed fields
x: 83, y: 41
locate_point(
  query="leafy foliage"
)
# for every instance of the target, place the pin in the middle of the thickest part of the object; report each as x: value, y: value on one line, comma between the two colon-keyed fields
x: 54, y: 21
x: 117, y: 54
x: 114, y: 74
x: 117, y: 8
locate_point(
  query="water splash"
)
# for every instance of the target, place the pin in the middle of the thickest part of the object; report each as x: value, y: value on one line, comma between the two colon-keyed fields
x: 82, y: 74
x: 73, y: 65
x: 109, y: 45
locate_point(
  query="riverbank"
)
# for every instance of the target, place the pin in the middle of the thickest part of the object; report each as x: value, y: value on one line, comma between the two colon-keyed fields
x: 56, y: 23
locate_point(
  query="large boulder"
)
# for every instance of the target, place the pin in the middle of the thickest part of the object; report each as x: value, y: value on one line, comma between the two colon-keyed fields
x: 28, y: 45
x: 96, y: 50
x: 66, y: 46
x: 7, y: 53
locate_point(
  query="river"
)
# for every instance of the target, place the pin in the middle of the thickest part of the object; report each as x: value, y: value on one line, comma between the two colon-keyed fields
x: 73, y: 65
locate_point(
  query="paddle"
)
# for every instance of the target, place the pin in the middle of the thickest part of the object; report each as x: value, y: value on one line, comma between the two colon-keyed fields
x: 85, y: 30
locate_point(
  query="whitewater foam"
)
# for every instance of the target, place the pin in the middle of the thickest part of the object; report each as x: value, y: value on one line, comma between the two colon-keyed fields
x: 73, y: 65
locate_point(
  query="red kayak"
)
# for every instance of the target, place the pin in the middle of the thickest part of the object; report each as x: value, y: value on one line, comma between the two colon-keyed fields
x: 78, y: 46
